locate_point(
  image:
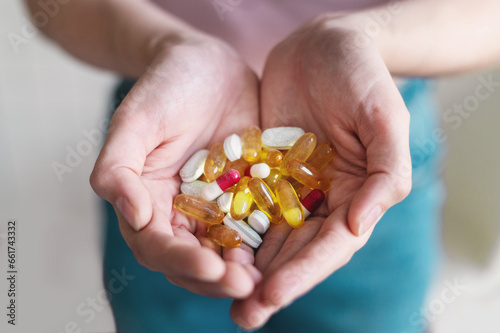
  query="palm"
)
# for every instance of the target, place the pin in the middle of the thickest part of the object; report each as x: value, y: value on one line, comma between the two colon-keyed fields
x: 164, y: 123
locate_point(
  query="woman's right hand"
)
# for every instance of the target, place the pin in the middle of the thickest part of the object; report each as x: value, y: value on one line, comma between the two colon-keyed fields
x: 195, y: 93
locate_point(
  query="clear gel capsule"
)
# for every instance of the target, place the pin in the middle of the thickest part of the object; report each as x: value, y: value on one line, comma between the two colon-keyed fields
x: 273, y: 178
x: 265, y: 200
x: 215, y: 162
x: 321, y: 156
x: 220, y: 185
x: 224, y: 236
x: 312, y: 201
x: 308, y: 176
x: 251, y: 144
x: 272, y: 157
x: 199, y: 208
x: 290, y: 204
x: 300, y: 151
x: 242, y: 200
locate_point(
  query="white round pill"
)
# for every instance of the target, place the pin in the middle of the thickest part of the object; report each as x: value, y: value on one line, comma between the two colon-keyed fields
x: 247, y: 234
x: 232, y: 147
x: 281, y: 137
x: 259, y: 221
x: 224, y: 201
x: 260, y: 170
x: 194, y: 167
x: 193, y: 188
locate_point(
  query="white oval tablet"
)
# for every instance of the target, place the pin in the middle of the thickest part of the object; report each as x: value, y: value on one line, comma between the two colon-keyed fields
x: 259, y: 221
x: 281, y: 137
x: 224, y: 201
x: 193, y: 188
x: 193, y: 168
x: 260, y: 170
x: 247, y: 234
x: 232, y: 147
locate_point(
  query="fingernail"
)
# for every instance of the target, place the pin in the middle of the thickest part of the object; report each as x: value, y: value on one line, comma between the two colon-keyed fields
x: 370, y: 219
x: 128, y: 212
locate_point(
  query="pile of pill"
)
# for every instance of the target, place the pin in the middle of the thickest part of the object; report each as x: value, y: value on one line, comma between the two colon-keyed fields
x: 242, y: 185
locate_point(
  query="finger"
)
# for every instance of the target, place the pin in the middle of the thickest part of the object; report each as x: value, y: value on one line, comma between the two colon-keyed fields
x: 329, y: 250
x: 116, y: 175
x: 272, y: 242
x: 237, y: 282
x: 242, y: 254
x: 384, y: 132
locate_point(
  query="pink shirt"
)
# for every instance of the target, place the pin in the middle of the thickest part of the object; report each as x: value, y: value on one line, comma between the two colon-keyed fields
x: 254, y: 27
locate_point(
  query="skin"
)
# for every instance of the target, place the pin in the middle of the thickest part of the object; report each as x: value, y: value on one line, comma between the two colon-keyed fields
x: 319, y: 77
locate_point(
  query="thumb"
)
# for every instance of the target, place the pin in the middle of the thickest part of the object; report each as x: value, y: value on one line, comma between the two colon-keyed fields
x: 384, y: 132
x: 116, y: 175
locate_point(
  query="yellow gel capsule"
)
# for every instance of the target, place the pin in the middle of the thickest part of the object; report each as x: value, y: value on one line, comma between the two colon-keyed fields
x: 224, y: 236
x: 272, y: 157
x: 199, y: 208
x: 239, y: 165
x: 321, y: 156
x: 308, y: 176
x: 290, y: 204
x: 297, y: 186
x: 273, y: 178
x: 242, y: 200
x: 265, y: 200
x: 251, y: 144
x: 300, y: 151
x: 216, y: 160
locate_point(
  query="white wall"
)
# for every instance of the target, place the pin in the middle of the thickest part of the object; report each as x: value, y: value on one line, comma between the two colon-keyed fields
x: 48, y: 99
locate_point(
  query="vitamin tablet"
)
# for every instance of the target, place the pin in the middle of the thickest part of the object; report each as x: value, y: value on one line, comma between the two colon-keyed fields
x: 251, y: 144
x: 242, y: 200
x: 193, y: 168
x: 281, y: 137
x: 232, y: 147
x: 290, y: 204
x: 259, y: 170
x: 259, y: 221
x: 224, y: 201
x: 247, y: 234
x: 265, y: 200
x: 321, y: 156
x: 215, y: 162
x: 300, y: 151
x: 308, y: 176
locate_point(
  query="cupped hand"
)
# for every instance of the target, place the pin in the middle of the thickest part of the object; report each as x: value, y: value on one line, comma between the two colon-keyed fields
x: 320, y: 79
x: 194, y: 94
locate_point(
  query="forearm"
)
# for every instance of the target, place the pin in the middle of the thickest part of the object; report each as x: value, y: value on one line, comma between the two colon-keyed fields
x: 428, y: 37
x: 120, y: 35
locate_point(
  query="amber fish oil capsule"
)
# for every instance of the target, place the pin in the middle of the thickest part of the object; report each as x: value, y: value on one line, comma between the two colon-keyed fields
x: 224, y: 236
x: 290, y: 204
x: 199, y: 208
x: 308, y: 176
x: 273, y: 178
x: 215, y: 162
x: 251, y: 144
x: 272, y: 157
x: 265, y: 200
x: 321, y: 156
x: 300, y: 151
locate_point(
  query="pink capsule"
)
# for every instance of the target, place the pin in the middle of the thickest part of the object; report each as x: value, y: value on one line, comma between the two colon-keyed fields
x: 220, y: 185
x: 312, y: 201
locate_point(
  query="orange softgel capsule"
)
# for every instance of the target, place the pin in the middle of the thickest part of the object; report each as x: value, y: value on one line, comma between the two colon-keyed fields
x: 308, y: 176
x: 215, y: 162
x: 242, y: 200
x: 199, y: 208
x: 273, y: 178
x: 265, y: 200
x: 224, y: 236
x: 300, y: 151
x: 321, y: 156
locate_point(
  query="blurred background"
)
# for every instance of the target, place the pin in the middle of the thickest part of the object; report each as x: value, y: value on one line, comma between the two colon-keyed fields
x: 52, y: 118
